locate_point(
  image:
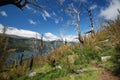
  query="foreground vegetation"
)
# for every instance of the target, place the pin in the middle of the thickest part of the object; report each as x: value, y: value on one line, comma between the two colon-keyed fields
x: 65, y: 61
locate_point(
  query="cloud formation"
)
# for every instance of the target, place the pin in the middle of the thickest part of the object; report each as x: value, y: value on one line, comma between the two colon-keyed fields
x: 30, y: 8
x: 45, y: 15
x: 93, y: 7
x: 20, y: 32
x: 61, y: 1
x: 58, y: 19
x: 111, y: 12
x: 32, y: 34
x: 70, y: 38
x: 32, y: 22
x: 3, y: 13
x: 50, y: 37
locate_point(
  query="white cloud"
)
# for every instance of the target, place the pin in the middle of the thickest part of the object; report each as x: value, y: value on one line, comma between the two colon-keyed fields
x: 57, y: 20
x: 111, y: 12
x: 1, y: 28
x: 20, y: 32
x: 3, y: 13
x: 32, y: 34
x: 32, y: 22
x: 28, y: 7
x: 61, y: 1
x: 70, y: 38
x: 93, y: 7
x: 45, y: 15
x: 54, y: 14
x: 49, y: 36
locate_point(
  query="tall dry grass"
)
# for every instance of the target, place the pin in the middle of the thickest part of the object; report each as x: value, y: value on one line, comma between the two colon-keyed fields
x: 94, y: 40
x: 56, y: 55
x: 113, y: 30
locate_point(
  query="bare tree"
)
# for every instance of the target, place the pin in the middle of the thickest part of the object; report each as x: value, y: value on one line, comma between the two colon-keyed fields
x: 31, y: 62
x: 20, y: 3
x: 75, y: 14
x: 41, y: 44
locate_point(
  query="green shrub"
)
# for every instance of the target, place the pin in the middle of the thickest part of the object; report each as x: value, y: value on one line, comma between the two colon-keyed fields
x: 51, y: 75
x: 116, y: 60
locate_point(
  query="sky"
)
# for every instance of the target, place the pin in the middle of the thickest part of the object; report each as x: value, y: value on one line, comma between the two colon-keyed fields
x: 55, y: 21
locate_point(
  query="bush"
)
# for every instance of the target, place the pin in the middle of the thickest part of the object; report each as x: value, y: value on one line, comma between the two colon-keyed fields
x: 116, y: 60
x: 85, y: 55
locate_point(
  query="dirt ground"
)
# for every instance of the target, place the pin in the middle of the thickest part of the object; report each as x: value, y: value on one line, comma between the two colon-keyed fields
x: 106, y: 75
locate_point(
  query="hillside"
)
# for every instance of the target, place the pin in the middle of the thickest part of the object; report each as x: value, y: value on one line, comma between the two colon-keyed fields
x: 23, y: 44
x: 59, y: 39
x: 73, y: 62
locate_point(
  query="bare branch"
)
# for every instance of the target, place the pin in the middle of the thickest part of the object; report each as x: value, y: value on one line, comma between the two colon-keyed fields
x: 6, y: 2
x: 118, y: 11
x: 17, y: 3
x: 20, y: 3
x: 92, y: 24
x: 61, y: 5
x: 37, y: 5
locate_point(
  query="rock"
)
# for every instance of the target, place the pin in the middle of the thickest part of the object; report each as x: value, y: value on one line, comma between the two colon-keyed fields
x: 85, y: 70
x: 58, y: 67
x: 105, y: 58
x: 80, y: 71
x: 32, y: 74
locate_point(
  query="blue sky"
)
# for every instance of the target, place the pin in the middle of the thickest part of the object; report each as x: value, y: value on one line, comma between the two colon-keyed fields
x: 54, y: 21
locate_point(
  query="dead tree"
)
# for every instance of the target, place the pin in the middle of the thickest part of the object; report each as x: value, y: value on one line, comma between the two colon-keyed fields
x: 31, y: 63
x: 21, y: 59
x: 18, y: 61
x: 77, y: 24
x: 41, y: 41
x: 118, y: 11
x: 92, y: 24
x: 41, y: 44
x: 65, y: 42
x: 75, y: 12
x: 118, y: 14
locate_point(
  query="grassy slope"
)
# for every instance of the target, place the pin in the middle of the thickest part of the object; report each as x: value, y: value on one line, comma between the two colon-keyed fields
x: 71, y: 58
x: 46, y: 70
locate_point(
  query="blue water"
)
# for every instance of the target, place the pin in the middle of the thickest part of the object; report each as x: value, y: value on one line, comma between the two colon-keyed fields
x: 27, y: 55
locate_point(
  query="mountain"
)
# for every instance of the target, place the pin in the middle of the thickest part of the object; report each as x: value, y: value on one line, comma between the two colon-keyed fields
x: 30, y: 46
x: 23, y: 44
